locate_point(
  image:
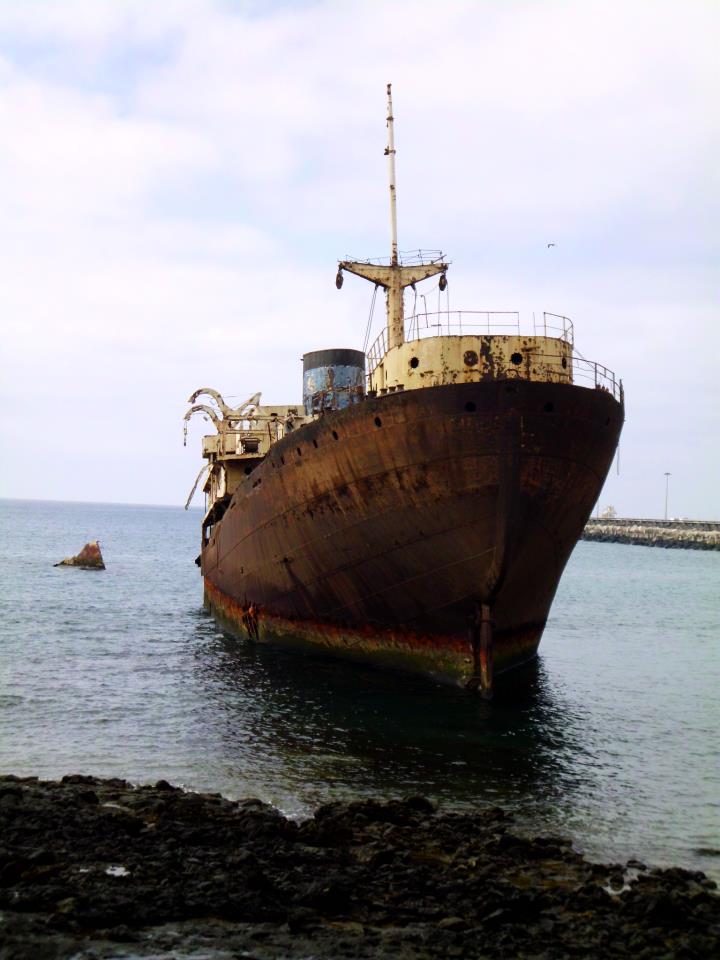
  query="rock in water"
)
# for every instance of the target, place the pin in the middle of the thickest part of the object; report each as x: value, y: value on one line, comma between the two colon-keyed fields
x: 89, y: 558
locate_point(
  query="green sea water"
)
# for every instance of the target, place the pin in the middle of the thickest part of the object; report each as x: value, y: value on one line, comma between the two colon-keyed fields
x: 612, y: 740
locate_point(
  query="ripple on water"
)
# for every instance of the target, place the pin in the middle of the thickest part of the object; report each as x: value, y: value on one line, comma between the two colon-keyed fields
x: 123, y: 674
x: 9, y: 701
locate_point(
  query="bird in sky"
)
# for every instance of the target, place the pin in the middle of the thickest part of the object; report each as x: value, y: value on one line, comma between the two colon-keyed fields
x: 551, y: 245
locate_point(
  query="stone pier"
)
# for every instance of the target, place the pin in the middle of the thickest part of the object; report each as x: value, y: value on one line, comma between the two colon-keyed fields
x: 686, y: 534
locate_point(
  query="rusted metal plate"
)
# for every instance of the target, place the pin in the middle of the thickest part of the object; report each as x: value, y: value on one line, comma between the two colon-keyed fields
x: 332, y: 380
x: 445, y: 658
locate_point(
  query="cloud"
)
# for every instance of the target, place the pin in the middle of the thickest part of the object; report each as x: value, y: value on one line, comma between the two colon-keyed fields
x: 178, y: 179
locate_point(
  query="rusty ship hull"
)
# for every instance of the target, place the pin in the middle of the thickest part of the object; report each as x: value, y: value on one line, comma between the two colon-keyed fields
x: 381, y: 531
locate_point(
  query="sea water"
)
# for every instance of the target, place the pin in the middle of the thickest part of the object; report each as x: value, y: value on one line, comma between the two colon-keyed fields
x: 612, y: 740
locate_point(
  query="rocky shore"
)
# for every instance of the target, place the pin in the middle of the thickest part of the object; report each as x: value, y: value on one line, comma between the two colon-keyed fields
x: 673, y: 534
x: 99, y: 868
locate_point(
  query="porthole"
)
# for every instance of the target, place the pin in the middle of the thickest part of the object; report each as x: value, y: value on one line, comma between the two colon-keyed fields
x: 315, y: 444
x: 378, y: 422
x: 414, y: 362
x: 470, y: 406
x: 564, y: 362
x: 335, y: 436
x: 470, y: 358
x: 299, y: 451
x: 516, y: 358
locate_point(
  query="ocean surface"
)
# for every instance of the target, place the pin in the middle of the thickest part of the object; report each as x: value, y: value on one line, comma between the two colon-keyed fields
x: 613, y: 742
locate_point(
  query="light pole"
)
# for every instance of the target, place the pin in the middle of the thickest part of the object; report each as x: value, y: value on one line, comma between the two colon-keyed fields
x: 667, y: 483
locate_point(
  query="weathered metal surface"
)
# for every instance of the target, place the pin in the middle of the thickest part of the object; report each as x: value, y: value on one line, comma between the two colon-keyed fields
x: 445, y: 658
x: 463, y: 346
x: 229, y: 413
x: 486, y: 651
x: 332, y: 380
x: 469, y: 358
x: 394, y: 518
x: 244, y: 436
x: 394, y: 278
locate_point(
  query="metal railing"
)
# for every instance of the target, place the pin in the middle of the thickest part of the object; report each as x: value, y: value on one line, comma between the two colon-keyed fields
x: 555, y: 325
x: 543, y: 367
x: 376, y: 352
x: 588, y: 373
x: 477, y: 323
x: 461, y: 322
x: 248, y: 441
x: 406, y: 258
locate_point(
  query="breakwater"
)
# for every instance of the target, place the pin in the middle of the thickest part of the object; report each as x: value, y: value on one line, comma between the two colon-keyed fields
x: 687, y: 534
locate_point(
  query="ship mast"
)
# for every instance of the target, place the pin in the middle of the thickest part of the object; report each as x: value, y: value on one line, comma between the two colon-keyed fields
x: 395, y: 277
x: 390, y: 151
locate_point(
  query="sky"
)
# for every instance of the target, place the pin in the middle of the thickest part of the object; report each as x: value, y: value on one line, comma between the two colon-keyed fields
x: 179, y: 179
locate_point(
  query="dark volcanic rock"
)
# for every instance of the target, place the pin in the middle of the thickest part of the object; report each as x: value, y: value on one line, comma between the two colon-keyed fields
x: 99, y: 868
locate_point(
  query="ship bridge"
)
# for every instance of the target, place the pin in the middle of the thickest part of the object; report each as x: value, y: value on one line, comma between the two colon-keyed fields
x: 466, y: 346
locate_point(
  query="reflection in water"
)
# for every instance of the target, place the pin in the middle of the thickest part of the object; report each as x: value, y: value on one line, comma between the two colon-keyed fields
x: 302, y: 730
